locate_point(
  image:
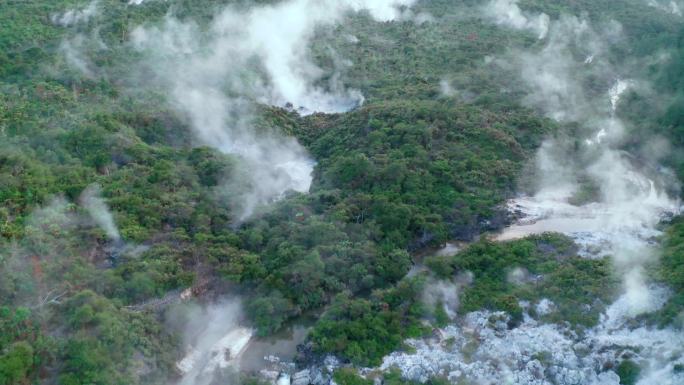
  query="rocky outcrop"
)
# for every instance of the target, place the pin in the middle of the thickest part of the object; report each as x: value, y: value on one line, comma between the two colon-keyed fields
x: 482, y: 349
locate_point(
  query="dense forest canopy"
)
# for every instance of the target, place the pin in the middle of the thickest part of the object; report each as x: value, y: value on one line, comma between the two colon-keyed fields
x: 148, y: 147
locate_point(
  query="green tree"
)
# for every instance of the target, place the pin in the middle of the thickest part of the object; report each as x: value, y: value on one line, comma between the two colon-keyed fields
x: 16, y: 363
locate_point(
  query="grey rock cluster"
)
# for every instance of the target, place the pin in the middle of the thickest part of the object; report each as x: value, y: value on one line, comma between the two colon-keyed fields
x: 481, y: 349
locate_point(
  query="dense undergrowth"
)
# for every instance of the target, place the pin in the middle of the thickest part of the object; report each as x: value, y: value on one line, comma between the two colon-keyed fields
x: 411, y: 168
x: 536, y: 268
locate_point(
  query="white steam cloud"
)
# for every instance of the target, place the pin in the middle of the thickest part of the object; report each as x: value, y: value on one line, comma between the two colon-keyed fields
x: 671, y: 6
x: 552, y: 73
x: 631, y: 198
x: 446, y: 89
x: 91, y: 200
x: 76, y: 16
x: 508, y: 13
x: 256, y: 55
x: 276, y: 39
x: 446, y: 293
x: 214, y: 340
x: 73, y: 51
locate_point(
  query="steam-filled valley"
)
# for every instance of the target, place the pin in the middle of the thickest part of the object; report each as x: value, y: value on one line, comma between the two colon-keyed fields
x: 349, y: 192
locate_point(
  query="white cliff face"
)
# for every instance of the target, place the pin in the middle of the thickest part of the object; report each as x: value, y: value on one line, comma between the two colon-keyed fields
x: 480, y: 349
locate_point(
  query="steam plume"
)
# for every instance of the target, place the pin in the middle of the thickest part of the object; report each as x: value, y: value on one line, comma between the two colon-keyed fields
x: 73, y: 51
x: 507, y: 12
x: 672, y: 6
x: 214, y: 339
x: 99, y: 211
x: 276, y: 38
x: 76, y: 16
x: 632, y: 198
x: 246, y: 56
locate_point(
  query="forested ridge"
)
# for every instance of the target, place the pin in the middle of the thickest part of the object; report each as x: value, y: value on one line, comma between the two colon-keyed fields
x: 402, y: 174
